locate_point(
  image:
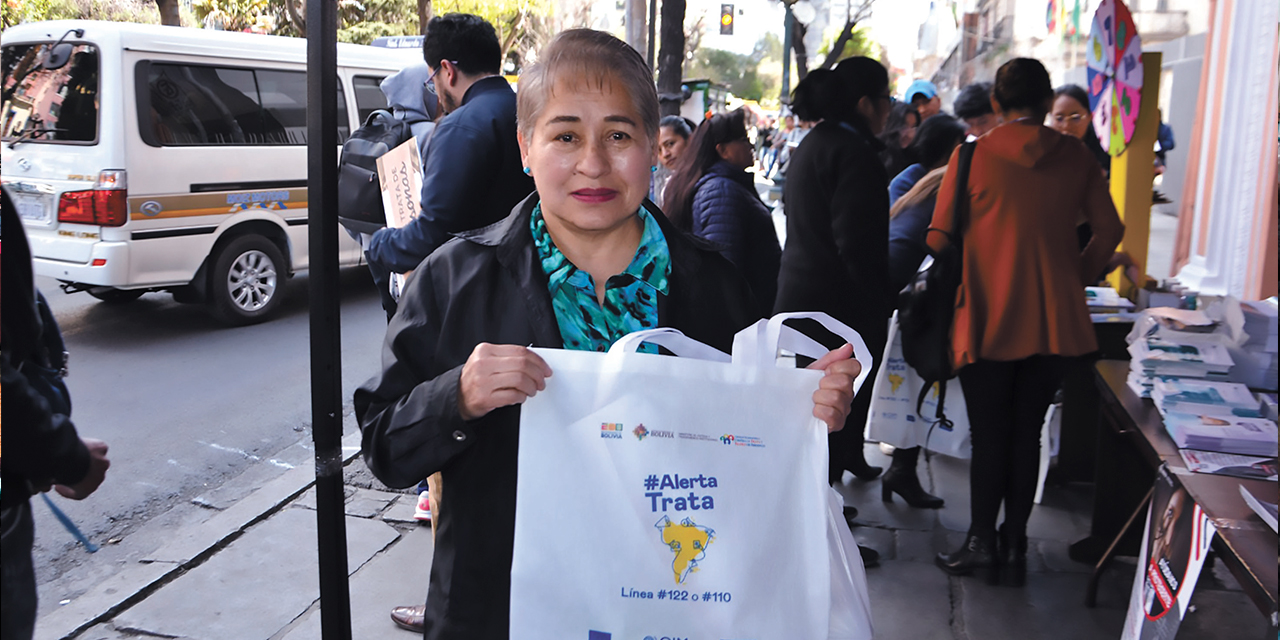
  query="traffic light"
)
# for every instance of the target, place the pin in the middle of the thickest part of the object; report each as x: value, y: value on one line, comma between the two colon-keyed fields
x: 726, y: 19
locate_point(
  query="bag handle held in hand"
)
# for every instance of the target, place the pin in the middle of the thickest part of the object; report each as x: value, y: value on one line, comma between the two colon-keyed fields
x: 671, y: 340
x: 758, y: 344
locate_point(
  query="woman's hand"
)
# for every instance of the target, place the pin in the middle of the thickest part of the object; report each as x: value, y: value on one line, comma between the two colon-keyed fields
x: 497, y: 375
x: 835, y: 392
x: 98, y: 464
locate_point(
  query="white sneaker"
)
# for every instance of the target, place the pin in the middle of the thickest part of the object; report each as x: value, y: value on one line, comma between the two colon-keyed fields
x: 423, y: 510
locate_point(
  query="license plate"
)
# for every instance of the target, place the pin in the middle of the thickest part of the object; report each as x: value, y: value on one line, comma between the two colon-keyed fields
x: 32, y: 208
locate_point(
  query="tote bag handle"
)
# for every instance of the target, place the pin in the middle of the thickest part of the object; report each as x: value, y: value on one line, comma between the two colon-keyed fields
x: 671, y: 340
x: 759, y: 344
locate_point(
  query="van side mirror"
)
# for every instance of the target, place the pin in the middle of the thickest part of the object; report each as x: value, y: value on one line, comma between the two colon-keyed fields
x: 60, y: 53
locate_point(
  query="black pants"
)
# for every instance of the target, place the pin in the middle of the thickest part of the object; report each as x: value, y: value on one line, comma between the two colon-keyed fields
x: 1007, y: 402
x: 17, y: 574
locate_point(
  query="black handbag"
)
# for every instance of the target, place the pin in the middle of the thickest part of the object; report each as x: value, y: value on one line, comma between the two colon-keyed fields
x: 926, y: 306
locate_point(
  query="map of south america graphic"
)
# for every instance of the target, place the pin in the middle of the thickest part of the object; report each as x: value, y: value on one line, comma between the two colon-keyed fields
x: 688, y: 541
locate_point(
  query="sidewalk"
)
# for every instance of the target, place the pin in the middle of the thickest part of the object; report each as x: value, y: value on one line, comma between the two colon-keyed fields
x: 248, y: 576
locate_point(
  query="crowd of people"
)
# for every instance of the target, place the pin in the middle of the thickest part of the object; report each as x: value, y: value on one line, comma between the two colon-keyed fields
x: 571, y: 214
x: 637, y: 221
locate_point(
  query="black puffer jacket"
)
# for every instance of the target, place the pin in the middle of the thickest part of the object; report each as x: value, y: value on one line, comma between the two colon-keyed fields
x: 487, y: 286
x: 728, y: 211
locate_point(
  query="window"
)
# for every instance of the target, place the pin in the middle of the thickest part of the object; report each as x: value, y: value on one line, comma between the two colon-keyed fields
x: 368, y: 95
x: 206, y: 105
x: 49, y: 105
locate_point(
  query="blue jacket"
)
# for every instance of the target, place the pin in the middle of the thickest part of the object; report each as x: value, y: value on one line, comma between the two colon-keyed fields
x: 902, y: 183
x: 472, y: 178
x: 728, y: 211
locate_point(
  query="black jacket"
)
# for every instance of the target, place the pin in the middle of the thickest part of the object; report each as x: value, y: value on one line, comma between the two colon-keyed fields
x: 727, y: 211
x: 837, y: 254
x: 40, y: 446
x: 487, y: 286
x: 472, y: 178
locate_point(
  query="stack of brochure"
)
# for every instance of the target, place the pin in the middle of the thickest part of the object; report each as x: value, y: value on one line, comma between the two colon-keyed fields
x: 1105, y: 300
x: 1179, y: 343
x: 1226, y: 434
x: 1204, y: 397
x: 1256, y: 359
x: 1230, y: 464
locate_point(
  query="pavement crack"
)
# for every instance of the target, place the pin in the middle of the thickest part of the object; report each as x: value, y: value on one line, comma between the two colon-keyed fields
x: 142, y: 633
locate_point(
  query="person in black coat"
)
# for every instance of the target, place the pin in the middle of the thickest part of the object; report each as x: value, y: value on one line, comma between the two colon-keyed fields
x: 837, y: 254
x: 456, y: 364
x: 41, y: 445
x: 712, y: 196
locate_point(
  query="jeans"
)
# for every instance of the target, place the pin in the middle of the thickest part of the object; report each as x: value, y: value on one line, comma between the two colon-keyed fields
x: 1007, y: 402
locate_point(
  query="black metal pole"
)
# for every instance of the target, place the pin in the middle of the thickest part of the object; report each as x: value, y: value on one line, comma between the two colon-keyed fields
x: 326, y: 359
x: 653, y: 31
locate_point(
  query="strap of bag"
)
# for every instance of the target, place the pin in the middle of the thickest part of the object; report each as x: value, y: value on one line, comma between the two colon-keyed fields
x: 670, y: 339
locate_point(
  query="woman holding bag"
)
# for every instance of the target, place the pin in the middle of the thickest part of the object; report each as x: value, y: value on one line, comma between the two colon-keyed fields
x: 583, y: 261
x: 1020, y: 313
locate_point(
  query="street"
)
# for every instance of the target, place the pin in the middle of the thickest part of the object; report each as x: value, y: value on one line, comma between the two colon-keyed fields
x: 197, y: 415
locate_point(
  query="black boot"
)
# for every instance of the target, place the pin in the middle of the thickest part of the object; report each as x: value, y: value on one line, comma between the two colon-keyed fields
x: 1013, y: 558
x: 978, y: 554
x: 901, y: 479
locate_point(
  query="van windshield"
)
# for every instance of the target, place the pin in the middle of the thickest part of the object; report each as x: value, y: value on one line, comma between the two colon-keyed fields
x: 49, y: 105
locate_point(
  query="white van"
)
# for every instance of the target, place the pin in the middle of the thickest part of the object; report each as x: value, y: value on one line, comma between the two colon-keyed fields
x: 148, y: 158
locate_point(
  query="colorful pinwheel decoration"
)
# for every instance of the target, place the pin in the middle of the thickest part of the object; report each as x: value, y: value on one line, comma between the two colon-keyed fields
x: 1115, y: 75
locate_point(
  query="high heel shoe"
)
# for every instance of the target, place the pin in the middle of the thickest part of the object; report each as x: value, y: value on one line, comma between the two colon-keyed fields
x: 908, y: 486
x: 901, y: 479
x: 976, y: 555
x: 863, y: 471
x: 1012, y: 556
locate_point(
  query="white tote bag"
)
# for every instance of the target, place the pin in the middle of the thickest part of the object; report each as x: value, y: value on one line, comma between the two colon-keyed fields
x: 680, y: 497
x: 893, y: 418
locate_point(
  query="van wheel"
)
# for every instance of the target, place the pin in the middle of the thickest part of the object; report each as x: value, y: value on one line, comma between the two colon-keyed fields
x: 245, y: 285
x: 111, y: 295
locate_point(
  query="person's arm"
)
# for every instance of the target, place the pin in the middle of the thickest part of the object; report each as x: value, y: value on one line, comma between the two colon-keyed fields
x: 1103, y: 218
x: 907, y: 243
x: 459, y: 163
x: 40, y: 445
x: 859, y: 215
x: 412, y: 425
x: 718, y: 217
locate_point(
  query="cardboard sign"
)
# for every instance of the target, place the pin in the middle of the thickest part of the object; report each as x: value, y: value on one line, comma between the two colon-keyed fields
x: 400, y: 178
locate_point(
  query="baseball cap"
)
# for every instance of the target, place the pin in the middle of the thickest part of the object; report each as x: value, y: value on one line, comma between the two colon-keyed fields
x: 923, y: 87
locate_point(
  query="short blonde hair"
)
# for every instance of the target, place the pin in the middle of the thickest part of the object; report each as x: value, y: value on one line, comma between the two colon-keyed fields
x: 594, y: 58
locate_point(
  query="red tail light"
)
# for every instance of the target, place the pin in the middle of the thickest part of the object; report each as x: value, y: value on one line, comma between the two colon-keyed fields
x: 105, y: 208
x: 106, y: 205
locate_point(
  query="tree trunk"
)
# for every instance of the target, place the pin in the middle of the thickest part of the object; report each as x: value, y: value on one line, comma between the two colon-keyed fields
x: 833, y: 56
x: 671, y: 57
x: 802, y: 56
x: 424, y: 15
x: 169, y: 14
x: 295, y: 17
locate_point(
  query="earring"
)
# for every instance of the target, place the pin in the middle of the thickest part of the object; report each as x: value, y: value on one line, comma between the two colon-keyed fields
x: 653, y: 169
x: 528, y: 171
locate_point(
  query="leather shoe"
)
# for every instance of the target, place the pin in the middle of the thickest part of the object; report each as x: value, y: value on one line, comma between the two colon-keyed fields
x: 977, y: 555
x: 906, y: 483
x: 410, y: 617
x: 870, y: 557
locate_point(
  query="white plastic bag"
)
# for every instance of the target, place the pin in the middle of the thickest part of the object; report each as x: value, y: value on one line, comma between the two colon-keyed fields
x: 893, y: 418
x: 681, y: 497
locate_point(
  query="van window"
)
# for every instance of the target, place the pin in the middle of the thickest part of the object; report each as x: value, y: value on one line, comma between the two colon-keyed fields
x: 49, y: 105
x: 368, y: 95
x: 205, y: 105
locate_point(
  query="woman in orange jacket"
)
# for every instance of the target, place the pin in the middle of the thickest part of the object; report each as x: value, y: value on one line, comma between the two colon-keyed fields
x: 1020, y: 310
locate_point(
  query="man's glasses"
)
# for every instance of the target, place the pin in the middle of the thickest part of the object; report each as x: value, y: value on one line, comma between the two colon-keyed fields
x: 430, y: 83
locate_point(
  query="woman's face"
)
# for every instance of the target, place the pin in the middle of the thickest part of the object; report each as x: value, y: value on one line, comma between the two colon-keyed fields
x: 1069, y: 117
x: 737, y: 152
x: 875, y: 108
x: 589, y: 156
x: 671, y: 146
x: 909, y: 126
